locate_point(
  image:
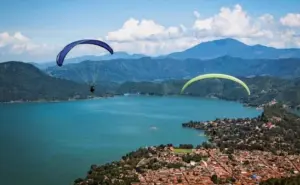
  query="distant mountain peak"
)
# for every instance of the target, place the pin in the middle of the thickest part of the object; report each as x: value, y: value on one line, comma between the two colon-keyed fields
x: 233, y: 48
x: 226, y: 41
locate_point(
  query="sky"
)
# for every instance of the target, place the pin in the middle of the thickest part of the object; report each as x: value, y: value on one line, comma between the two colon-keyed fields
x: 35, y: 30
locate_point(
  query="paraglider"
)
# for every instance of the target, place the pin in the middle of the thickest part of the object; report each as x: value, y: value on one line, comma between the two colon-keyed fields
x: 63, y: 53
x: 214, y: 75
x: 61, y: 56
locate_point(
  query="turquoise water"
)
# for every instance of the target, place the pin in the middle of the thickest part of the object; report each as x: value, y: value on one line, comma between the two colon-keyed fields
x: 55, y: 143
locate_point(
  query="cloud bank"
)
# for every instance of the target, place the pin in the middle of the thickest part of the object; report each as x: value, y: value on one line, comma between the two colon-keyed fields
x: 151, y: 38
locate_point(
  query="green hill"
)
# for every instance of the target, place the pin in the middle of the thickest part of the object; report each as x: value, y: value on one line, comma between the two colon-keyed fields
x: 263, y: 89
x: 23, y: 81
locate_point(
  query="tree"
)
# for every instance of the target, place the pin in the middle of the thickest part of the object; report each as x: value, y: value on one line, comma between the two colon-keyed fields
x: 246, y: 162
x: 230, y: 156
x: 78, y: 180
x: 214, y: 178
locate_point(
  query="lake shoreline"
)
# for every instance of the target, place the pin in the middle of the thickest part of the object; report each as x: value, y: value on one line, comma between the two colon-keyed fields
x: 258, y: 107
x: 57, y: 101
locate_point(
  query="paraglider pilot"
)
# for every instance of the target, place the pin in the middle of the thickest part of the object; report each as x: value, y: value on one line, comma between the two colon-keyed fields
x: 92, y: 88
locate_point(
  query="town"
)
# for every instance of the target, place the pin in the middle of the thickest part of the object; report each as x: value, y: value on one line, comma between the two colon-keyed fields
x: 241, y: 151
x: 168, y: 165
x: 276, y: 130
x: 242, y: 167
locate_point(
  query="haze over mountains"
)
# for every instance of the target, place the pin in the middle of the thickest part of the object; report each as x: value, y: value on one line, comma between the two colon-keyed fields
x: 205, y: 50
x: 116, y: 55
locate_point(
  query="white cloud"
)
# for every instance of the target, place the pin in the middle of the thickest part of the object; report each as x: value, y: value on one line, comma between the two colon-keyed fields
x: 197, y: 14
x: 229, y: 23
x: 291, y: 19
x: 19, y: 47
x: 133, y: 30
x: 267, y: 18
x: 7, y: 39
x: 155, y: 48
x: 149, y: 37
x: 17, y: 42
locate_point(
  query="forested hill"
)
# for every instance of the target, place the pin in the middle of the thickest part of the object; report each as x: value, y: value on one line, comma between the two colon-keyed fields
x: 263, y: 89
x: 23, y: 81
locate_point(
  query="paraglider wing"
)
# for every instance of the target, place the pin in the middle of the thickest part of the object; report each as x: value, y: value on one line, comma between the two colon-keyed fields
x: 228, y: 77
x: 62, y: 54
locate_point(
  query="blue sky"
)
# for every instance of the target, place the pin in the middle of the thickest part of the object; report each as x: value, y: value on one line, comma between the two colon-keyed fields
x: 54, y: 23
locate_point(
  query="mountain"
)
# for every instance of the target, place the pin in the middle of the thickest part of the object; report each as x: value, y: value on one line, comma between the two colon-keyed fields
x: 234, y: 48
x: 42, y: 65
x: 150, y: 69
x: 23, y: 81
x: 116, y: 55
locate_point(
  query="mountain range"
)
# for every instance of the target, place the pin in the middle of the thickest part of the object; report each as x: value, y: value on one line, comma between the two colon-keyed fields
x: 150, y: 69
x: 205, y: 50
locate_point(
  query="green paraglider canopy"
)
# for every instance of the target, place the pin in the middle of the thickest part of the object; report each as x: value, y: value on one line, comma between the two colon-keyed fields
x: 214, y: 75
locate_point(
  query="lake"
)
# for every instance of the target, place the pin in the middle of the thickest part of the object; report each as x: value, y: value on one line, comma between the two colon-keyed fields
x: 55, y: 143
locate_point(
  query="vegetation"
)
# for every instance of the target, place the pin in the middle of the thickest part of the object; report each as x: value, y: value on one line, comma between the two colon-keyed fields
x: 186, y: 146
x: 282, y: 181
x: 263, y: 89
x: 24, y: 82
x: 276, y: 130
x: 179, y: 150
x: 33, y: 84
x: 120, y: 173
x: 194, y: 157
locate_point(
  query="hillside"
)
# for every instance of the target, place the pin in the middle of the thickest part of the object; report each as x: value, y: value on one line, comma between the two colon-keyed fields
x: 234, y: 48
x: 149, y: 69
x: 263, y: 89
x: 22, y: 81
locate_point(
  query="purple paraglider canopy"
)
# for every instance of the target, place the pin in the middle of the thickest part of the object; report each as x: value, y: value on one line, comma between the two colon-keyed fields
x: 62, y: 54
